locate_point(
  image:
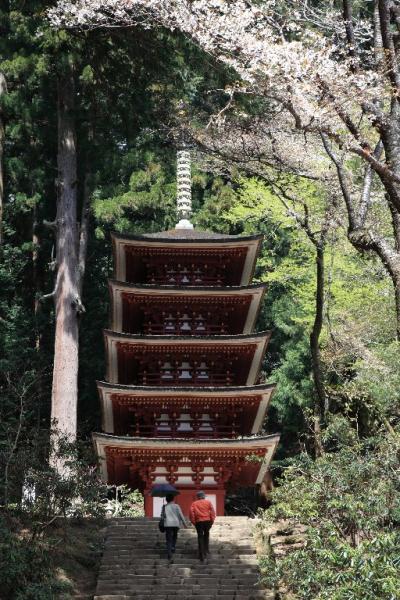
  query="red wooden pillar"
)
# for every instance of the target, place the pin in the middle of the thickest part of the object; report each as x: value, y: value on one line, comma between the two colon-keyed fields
x: 148, y: 503
x: 220, y: 502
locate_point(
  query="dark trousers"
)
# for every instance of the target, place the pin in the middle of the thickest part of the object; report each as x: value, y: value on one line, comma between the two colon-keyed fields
x: 203, y: 537
x: 171, y: 535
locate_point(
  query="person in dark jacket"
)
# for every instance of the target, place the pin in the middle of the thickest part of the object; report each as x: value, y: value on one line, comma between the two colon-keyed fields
x: 202, y: 515
x: 173, y: 520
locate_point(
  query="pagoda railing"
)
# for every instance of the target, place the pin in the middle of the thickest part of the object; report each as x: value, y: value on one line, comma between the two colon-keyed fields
x: 202, y: 430
x: 187, y: 425
x: 185, y: 377
x: 177, y: 323
x: 186, y: 373
x: 190, y: 275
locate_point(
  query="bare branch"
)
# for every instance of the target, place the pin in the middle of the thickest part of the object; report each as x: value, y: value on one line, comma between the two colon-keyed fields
x: 342, y: 182
x: 50, y: 224
x: 366, y: 191
x: 388, y: 44
x: 50, y: 296
x: 396, y: 225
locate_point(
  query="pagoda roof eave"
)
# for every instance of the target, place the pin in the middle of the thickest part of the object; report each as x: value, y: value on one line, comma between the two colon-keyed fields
x: 192, y: 339
x: 226, y: 390
x: 146, y: 394
x: 268, y: 443
x: 119, y: 289
x: 257, y: 441
x: 217, y: 291
x: 185, y: 242
x: 259, y: 340
x: 182, y: 237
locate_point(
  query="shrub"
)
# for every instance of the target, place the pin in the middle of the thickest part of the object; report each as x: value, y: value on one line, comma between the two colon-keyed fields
x: 26, y: 567
x: 349, y: 501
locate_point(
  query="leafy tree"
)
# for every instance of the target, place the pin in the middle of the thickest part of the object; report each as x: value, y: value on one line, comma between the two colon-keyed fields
x: 118, y: 88
x: 326, y: 79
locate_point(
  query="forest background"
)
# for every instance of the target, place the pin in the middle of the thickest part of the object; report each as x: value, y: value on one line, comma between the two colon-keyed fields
x: 331, y: 300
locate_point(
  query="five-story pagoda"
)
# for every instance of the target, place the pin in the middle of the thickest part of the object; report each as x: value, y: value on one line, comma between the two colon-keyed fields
x: 181, y: 403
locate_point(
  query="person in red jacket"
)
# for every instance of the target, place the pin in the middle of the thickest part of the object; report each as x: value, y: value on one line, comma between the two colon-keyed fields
x: 202, y: 515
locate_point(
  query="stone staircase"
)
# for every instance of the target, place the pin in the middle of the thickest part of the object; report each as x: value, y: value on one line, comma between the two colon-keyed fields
x: 134, y: 564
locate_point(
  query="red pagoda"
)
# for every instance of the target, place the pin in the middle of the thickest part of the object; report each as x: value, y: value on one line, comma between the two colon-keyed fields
x: 181, y: 403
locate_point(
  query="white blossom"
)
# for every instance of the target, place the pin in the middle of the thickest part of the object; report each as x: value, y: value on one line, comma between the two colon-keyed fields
x: 252, y: 41
x: 314, y: 79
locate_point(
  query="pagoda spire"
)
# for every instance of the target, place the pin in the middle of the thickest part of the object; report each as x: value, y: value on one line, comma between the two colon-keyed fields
x: 184, y: 188
x: 183, y: 170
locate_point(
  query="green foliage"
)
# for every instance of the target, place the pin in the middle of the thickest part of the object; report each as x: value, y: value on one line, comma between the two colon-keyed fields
x: 286, y: 263
x: 125, y: 502
x: 77, y: 492
x: 26, y: 568
x: 375, y: 385
x: 148, y: 205
x: 128, y: 87
x: 30, y: 528
x: 331, y: 570
x: 349, y: 501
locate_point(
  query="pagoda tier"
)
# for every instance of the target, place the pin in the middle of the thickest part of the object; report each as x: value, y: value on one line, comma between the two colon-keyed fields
x: 183, y: 412
x: 184, y: 361
x: 181, y: 396
x: 185, y: 258
x: 214, y: 466
x: 199, y: 311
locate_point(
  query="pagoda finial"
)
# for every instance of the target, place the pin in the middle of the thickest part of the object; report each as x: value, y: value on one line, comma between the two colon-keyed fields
x: 183, y: 174
x: 184, y: 188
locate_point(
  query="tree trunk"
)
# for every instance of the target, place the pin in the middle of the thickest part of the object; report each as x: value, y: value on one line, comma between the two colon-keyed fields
x: 84, y: 233
x: 38, y: 288
x: 397, y: 300
x: 66, y: 292
x: 378, y: 44
x: 395, y: 263
x: 3, y: 90
x: 348, y: 24
x: 320, y: 405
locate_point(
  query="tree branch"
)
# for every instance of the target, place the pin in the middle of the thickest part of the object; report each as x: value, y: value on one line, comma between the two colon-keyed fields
x: 366, y: 191
x: 388, y: 44
x: 50, y: 224
x: 395, y: 224
x: 48, y: 296
x: 342, y: 182
x: 348, y: 24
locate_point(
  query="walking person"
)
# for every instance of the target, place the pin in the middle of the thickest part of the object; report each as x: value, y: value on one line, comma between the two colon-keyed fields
x: 202, y: 515
x: 173, y: 520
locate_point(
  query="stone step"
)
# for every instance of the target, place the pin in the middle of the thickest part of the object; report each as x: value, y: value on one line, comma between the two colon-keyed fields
x: 238, y: 582
x: 124, y: 584
x: 244, y: 559
x: 134, y: 564
x: 249, y: 596
x: 191, y: 564
x: 180, y: 571
x: 187, y: 536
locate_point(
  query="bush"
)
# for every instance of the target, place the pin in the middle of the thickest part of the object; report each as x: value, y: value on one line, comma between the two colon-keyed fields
x: 125, y: 502
x: 30, y: 528
x: 349, y: 501
x: 26, y: 567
